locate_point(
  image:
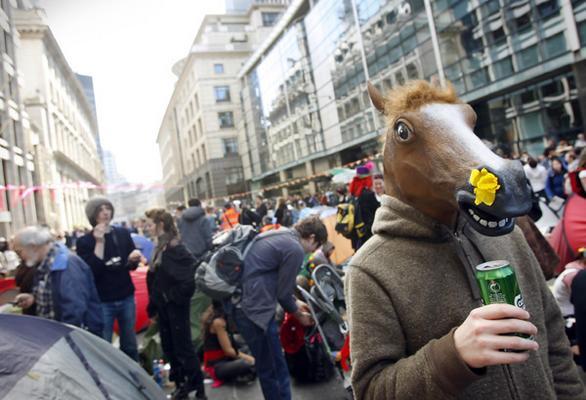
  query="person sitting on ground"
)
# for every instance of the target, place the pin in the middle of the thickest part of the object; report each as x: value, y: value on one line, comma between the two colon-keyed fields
x: 223, y: 361
x: 171, y: 286
x: 63, y: 286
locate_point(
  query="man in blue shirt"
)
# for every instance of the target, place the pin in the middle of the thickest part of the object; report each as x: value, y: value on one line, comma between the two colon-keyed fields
x: 270, y: 269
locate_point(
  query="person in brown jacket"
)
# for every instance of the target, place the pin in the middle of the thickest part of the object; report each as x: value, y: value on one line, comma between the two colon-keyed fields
x: 418, y: 327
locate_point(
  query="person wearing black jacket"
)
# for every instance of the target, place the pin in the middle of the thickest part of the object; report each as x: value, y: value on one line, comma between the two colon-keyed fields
x: 361, y: 189
x: 111, y: 254
x: 171, y: 285
x: 261, y: 207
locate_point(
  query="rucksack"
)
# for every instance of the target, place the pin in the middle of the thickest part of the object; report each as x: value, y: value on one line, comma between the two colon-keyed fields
x: 220, y: 276
x: 349, y: 221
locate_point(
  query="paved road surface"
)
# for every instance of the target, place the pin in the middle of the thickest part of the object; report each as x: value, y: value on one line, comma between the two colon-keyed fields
x: 332, y: 390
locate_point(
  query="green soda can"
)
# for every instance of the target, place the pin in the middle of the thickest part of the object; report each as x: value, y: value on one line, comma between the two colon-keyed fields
x: 498, y: 285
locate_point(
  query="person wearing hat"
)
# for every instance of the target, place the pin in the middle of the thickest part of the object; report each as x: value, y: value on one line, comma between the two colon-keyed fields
x: 111, y: 254
x: 361, y: 190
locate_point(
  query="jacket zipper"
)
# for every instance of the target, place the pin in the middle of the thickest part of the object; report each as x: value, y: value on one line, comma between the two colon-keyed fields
x: 460, y: 249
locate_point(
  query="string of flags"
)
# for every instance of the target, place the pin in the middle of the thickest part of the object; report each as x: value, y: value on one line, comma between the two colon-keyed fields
x: 19, y: 193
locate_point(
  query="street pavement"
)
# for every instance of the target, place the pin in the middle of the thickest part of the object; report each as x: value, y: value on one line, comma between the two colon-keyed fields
x: 332, y: 390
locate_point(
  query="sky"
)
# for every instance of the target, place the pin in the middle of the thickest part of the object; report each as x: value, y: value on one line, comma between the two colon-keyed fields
x: 129, y: 48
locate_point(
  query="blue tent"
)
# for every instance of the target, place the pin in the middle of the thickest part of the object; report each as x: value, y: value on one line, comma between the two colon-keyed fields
x: 46, y: 359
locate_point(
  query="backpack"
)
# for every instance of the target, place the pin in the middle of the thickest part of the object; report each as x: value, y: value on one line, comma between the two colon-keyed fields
x: 220, y: 276
x: 349, y: 221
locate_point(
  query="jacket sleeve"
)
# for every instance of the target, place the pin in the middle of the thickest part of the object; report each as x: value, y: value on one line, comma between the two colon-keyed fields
x: 207, y: 233
x: 151, y: 307
x: 380, y: 367
x: 291, y: 264
x: 567, y: 383
x: 79, y: 302
x: 549, y: 187
x: 85, y: 250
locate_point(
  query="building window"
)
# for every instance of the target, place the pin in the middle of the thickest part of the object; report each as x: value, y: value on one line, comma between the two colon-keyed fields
x: 270, y: 18
x: 226, y: 119
x: 528, y: 57
x: 222, y: 93
x: 503, y: 68
x: 234, y: 175
x: 555, y: 45
x: 219, y: 68
x: 230, y: 146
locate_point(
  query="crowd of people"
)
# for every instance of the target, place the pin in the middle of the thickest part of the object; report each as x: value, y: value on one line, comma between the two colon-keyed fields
x: 84, y: 279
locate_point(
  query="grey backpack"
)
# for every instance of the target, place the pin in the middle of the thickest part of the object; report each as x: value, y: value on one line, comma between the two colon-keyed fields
x: 220, y: 277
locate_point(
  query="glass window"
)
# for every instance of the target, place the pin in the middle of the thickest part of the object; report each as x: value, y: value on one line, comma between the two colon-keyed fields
x: 528, y: 57
x: 531, y: 125
x: 503, y: 68
x: 548, y: 9
x: 222, y: 93
x: 219, y: 68
x: 523, y: 22
x: 498, y: 36
x: 234, y: 175
x: 270, y: 18
x: 491, y: 7
x: 582, y: 32
x: 230, y: 146
x: 555, y: 45
x: 477, y: 78
x: 226, y: 119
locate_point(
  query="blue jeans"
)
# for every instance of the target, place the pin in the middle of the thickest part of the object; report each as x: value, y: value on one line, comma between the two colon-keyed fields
x: 125, y: 312
x: 270, y: 363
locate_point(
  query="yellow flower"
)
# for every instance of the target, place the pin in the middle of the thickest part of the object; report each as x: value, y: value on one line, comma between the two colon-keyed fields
x: 485, y: 185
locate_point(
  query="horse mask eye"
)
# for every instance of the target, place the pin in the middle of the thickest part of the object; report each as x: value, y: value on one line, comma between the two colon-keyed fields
x: 403, y: 132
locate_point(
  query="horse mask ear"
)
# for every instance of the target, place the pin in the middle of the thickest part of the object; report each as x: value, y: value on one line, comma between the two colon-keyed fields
x: 376, y: 97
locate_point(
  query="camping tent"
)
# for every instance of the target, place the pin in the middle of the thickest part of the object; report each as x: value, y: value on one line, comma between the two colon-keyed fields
x: 45, y: 359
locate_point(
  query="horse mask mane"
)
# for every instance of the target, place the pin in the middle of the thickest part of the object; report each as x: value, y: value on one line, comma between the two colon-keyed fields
x: 434, y: 161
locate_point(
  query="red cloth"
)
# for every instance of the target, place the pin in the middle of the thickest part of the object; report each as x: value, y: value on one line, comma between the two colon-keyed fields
x: 141, y: 299
x: 345, y: 354
x: 358, y: 184
x: 292, y: 334
x: 7, y: 284
x: 574, y: 224
x: 211, y: 356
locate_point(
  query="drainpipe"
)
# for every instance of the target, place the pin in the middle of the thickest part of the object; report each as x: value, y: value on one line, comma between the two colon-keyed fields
x: 435, y: 43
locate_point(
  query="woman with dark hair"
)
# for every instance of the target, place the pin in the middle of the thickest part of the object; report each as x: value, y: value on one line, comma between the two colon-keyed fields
x: 222, y: 360
x: 171, y: 285
x: 554, y: 186
x: 283, y: 215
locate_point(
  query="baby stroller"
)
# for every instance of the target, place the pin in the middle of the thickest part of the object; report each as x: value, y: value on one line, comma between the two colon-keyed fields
x: 315, y: 359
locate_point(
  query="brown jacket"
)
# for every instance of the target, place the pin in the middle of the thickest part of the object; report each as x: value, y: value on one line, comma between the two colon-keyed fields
x: 412, y: 284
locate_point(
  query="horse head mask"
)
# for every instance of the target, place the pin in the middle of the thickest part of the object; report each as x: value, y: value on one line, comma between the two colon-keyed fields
x: 434, y: 161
